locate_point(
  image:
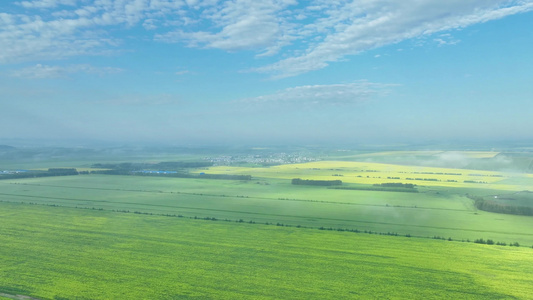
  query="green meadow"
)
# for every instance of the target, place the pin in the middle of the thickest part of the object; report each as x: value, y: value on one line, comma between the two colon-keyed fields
x: 65, y: 253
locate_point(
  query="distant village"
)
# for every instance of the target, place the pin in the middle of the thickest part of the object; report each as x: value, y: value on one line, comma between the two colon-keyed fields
x: 261, y: 159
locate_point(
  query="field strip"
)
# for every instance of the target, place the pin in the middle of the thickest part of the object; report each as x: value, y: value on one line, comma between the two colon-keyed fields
x: 220, y: 196
x: 248, y: 197
x: 279, y: 215
x: 85, y: 188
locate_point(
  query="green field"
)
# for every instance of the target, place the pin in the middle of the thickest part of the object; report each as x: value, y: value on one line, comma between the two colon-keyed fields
x: 433, y: 211
x: 95, y: 236
x: 65, y: 253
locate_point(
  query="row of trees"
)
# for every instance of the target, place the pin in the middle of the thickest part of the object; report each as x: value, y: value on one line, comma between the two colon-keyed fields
x: 175, y: 169
x: 38, y: 173
x: 383, y: 187
x: 63, y: 171
x: 494, y: 206
x: 491, y: 242
x: 396, y: 185
x: 498, y: 207
x: 298, y: 181
x: 175, y: 175
x: 223, y: 176
x: 165, y: 165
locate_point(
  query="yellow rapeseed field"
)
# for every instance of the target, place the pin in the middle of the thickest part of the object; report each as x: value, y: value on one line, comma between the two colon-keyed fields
x: 373, y: 173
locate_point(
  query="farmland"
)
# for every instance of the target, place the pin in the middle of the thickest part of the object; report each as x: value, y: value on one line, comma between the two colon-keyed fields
x: 431, y: 212
x: 65, y: 253
x: 191, y: 225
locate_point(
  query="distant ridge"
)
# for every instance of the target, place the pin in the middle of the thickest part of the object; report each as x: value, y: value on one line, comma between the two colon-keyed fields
x: 6, y: 147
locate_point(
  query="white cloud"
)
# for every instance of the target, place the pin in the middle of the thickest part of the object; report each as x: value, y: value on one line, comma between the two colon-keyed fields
x: 333, y: 94
x: 305, y: 36
x: 446, y: 39
x: 74, y: 30
x: 241, y: 25
x: 149, y: 24
x: 32, y: 38
x: 6, y: 19
x: 46, y: 3
x: 350, y: 28
x: 40, y: 71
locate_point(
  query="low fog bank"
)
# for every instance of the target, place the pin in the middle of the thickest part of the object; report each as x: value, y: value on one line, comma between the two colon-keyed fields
x: 518, y: 162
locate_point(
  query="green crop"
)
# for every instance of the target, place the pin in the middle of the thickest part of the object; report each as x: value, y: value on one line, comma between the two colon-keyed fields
x: 66, y: 253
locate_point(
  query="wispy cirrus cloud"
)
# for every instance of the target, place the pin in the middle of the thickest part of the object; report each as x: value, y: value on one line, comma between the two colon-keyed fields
x: 46, y: 3
x: 59, y: 29
x: 40, y: 71
x: 239, y: 25
x: 33, y: 38
x: 300, y: 36
x: 446, y: 39
x: 183, y: 72
x: 319, y: 95
x: 351, y: 27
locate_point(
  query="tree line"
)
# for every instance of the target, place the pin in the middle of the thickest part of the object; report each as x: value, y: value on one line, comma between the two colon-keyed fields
x: 396, y: 185
x: 165, y: 165
x: 38, y: 173
x: 298, y: 181
x: 498, y: 207
x: 174, y: 175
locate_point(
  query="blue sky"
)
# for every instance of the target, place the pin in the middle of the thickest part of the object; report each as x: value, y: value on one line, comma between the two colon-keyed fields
x: 272, y: 71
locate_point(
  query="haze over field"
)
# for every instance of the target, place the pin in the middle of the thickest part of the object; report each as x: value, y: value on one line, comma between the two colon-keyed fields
x: 266, y: 71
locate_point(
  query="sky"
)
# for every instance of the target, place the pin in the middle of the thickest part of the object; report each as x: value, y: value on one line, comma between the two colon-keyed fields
x: 270, y: 71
